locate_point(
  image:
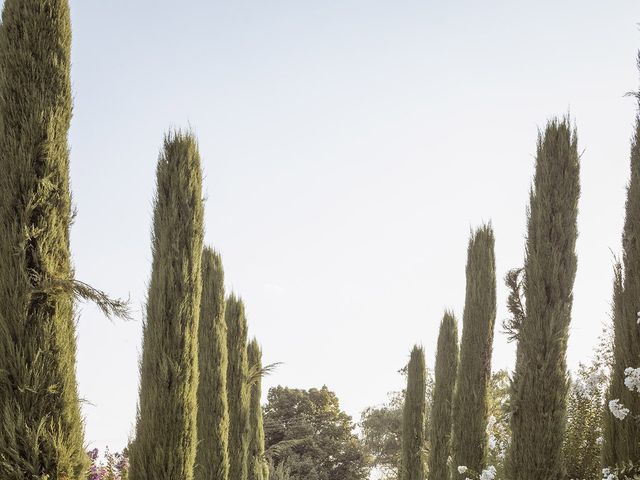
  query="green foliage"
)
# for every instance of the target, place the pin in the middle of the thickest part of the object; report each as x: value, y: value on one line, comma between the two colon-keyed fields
x: 237, y: 388
x: 623, y: 438
x: 382, y: 435
x: 382, y: 429
x: 212, y: 458
x: 165, y: 439
x: 257, y: 464
x: 307, y: 431
x: 413, y: 461
x: 582, y: 441
x: 441, y: 414
x: 539, y: 387
x: 469, y: 436
x: 614, y: 431
x: 41, y: 434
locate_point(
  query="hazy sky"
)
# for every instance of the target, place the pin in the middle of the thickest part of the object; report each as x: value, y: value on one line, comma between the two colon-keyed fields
x: 348, y: 148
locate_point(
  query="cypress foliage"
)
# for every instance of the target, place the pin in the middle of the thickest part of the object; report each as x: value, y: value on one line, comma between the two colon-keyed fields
x: 414, y: 415
x: 165, y: 440
x: 626, y: 338
x: 237, y: 388
x: 614, y: 429
x: 445, y: 378
x: 212, y: 459
x: 41, y: 434
x: 258, y: 467
x: 540, y: 382
x: 470, y: 407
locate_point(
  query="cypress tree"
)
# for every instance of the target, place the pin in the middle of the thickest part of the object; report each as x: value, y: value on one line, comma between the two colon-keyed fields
x: 540, y: 381
x: 165, y: 439
x: 237, y: 388
x: 613, y: 429
x: 414, y: 416
x: 470, y: 407
x: 445, y: 378
x: 258, y: 467
x: 212, y: 459
x: 41, y: 434
x: 625, y: 435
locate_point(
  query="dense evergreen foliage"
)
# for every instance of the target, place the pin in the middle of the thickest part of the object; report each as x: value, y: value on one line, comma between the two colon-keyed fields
x: 41, y: 434
x: 539, y: 387
x: 237, y: 388
x: 308, y: 437
x: 441, y: 414
x: 258, y: 466
x: 623, y: 438
x: 212, y: 459
x: 469, y: 435
x: 413, y: 462
x: 165, y: 440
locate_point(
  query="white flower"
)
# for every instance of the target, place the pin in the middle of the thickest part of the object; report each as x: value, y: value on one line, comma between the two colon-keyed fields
x: 632, y: 378
x: 617, y: 409
x: 462, y: 469
x: 599, y: 440
x: 492, y: 442
x: 489, y: 473
x: 605, y: 472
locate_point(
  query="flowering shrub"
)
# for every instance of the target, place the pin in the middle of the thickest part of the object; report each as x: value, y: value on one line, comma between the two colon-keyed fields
x: 488, y: 473
x: 114, y: 466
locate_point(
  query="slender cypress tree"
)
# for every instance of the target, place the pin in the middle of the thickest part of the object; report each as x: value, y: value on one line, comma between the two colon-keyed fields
x: 470, y: 408
x: 165, y: 439
x: 625, y: 435
x: 613, y: 429
x: 237, y: 388
x: 212, y: 459
x: 445, y: 379
x: 413, y: 466
x: 540, y: 382
x: 41, y: 434
x: 257, y: 464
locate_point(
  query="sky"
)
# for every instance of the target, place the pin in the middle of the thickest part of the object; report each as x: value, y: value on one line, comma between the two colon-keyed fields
x: 348, y: 149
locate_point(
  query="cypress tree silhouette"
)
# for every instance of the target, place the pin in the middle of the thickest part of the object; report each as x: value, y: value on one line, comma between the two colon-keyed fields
x: 441, y: 415
x: 258, y: 467
x: 470, y: 414
x: 237, y: 388
x: 165, y: 442
x: 41, y: 434
x: 412, y: 465
x: 212, y: 459
x: 540, y: 383
x: 622, y: 438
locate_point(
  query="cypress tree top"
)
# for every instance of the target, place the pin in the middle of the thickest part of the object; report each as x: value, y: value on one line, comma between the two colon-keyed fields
x: 441, y: 416
x: 237, y: 388
x: 470, y: 409
x: 212, y: 460
x: 539, y: 386
x: 165, y: 441
x: 412, y: 465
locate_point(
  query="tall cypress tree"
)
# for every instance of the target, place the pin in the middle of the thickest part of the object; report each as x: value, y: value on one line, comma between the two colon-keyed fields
x: 212, y: 459
x: 540, y: 383
x: 470, y: 414
x: 165, y: 439
x: 41, y: 434
x: 441, y: 417
x: 625, y: 435
x: 412, y: 464
x: 237, y: 388
x: 614, y: 431
x: 258, y: 467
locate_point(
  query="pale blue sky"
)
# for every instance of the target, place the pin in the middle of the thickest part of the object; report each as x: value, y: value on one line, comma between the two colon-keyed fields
x: 348, y: 148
